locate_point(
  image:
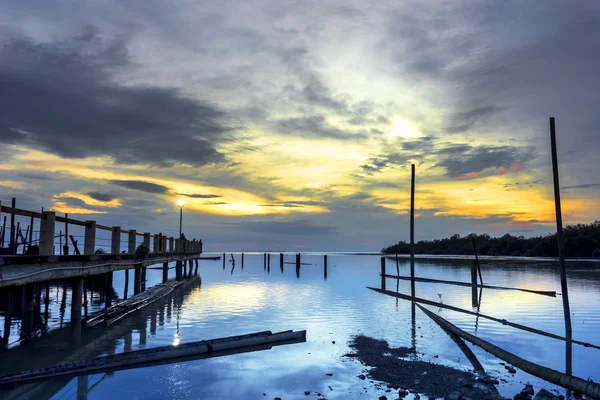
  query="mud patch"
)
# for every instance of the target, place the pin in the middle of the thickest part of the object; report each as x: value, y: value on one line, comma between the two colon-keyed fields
x: 387, y: 365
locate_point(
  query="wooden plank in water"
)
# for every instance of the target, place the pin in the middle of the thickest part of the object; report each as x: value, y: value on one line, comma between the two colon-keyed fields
x: 160, y: 355
x: 430, y: 280
x: 502, y: 321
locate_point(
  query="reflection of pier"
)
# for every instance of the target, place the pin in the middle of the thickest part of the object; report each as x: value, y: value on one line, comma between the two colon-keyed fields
x: 75, y: 343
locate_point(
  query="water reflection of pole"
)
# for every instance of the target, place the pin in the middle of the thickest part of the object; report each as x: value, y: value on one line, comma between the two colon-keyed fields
x: 413, y: 326
x: 82, y: 387
x: 7, y: 317
x: 478, y: 308
x: 559, y: 232
x: 63, y: 306
x: 569, y: 354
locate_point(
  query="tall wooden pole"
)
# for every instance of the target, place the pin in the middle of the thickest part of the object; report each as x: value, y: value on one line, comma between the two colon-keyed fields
x: 559, y: 232
x: 412, y: 230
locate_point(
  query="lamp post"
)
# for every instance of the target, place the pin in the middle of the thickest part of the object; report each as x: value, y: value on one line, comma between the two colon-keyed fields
x: 180, y: 204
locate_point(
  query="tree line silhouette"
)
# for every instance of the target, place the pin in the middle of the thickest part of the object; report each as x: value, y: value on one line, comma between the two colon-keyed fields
x: 581, y: 240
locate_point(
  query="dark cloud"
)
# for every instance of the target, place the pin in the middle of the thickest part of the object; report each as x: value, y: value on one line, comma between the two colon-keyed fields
x: 37, y: 176
x: 299, y: 227
x: 583, y: 186
x: 141, y: 186
x: 314, y: 126
x: 200, y: 195
x: 61, y: 97
x: 102, y: 196
x: 479, y: 158
x: 465, y: 121
x: 420, y: 145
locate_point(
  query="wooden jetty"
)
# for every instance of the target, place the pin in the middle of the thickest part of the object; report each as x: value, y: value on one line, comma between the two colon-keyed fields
x: 159, y: 355
x: 114, y: 313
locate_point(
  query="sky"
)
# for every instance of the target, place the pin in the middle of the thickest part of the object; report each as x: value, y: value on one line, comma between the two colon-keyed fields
x: 292, y: 125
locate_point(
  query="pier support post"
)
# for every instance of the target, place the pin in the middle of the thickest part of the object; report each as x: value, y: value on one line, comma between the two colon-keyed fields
x: 164, y: 244
x: 281, y: 261
x: 242, y: 260
x: 132, y: 240
x: 108, y: 289
x: 165, y: 271
x: 126, y: 288
x: 143, y: 279
x: 137, y: 280
x: 146, y: 241
x: 47, y: 233
x: 27, y: 303
x: 223, y: 261
x: 474, y: 283
x: 76, y: 298
x: 325, y: 266
x: 178, y: 272
x: 171, y: 245
x: 382, y: 273
x: 178, y: 247
x: 191, y: 266
x: 196, y: 270
x: 89, y: 240
x: 115, y: 241
x: 265, y: 261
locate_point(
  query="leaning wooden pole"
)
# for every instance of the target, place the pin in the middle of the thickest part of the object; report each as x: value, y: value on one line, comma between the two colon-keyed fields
x: 559, y: 232
x: 412, y: 230
x: 588, y: 388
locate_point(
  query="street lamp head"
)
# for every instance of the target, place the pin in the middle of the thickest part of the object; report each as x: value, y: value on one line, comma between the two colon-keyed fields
x: 180, y: 203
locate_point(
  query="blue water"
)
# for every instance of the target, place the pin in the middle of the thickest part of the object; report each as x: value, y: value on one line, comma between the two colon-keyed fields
x: 333, y: 310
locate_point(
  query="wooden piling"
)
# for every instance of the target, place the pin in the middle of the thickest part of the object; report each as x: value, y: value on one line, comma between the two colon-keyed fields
x: 281, y: 261
x: 382, y: 273
x: 265, y: 261
x: 3, y: 232
x: 125, y: 289
x: 196, y: 270
x: 477, y: 259
x: 412, y: 230
x: 109, y: 288
x: 559, y: 230
x: 31, y: 222
x: 474, y: 284
x: 165, y: 272
x: 191, y: 267
x: 268, y: 262
x: 242, y: 260
x: 143, y: 282
x: 224, y: 261
x: 178, y: 274
x: 137, y: 281
x: 325, y: 266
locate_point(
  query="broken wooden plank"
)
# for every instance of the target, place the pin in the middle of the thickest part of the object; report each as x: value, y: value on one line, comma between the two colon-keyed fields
x: 458, y: 283
x: 159, y: 355
x: 502, y: 321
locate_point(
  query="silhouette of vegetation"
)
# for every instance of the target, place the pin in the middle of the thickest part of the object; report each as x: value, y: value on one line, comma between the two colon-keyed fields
x: 581, y: 240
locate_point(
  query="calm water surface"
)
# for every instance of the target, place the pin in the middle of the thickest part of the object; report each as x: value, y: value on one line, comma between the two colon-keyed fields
x: 332, y: 310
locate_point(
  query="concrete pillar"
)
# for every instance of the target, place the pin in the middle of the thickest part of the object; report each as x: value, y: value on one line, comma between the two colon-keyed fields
x: 143, y: 279
x: 108, y: 289
x: 171, y: 245
x: 137, y: 281
x: 115, y: 242
x: 165, y: 276
x: 178, y: 272
x: 47, y: 233
x: 147, y: 241
x: 132, y: 238
x: 76, y: 299
x: 89, y: 241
